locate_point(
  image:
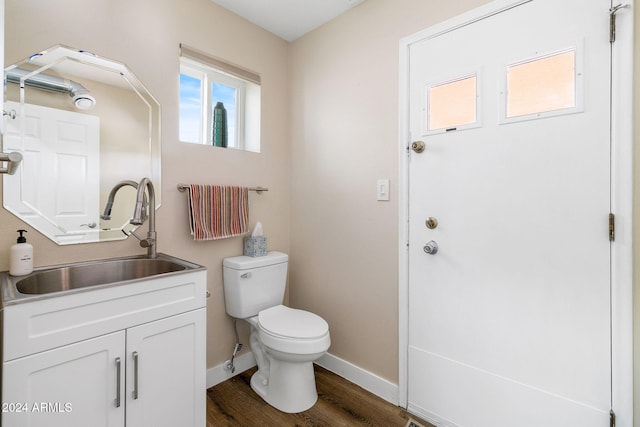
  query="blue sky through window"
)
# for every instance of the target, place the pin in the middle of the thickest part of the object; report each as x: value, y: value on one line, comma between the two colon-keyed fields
x: 190, y: 108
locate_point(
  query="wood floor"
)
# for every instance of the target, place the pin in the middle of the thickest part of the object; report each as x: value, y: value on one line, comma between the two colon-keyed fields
x: 340, y: 403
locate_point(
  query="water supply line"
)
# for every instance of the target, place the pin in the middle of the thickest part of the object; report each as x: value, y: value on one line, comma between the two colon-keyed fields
x: 228, y: 365
x: 80, y: 96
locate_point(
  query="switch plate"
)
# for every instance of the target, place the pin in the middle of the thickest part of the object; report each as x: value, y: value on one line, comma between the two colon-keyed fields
x: 383, y: 189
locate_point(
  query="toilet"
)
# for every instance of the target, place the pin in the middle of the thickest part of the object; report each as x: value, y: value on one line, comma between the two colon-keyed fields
x: 284, y: 341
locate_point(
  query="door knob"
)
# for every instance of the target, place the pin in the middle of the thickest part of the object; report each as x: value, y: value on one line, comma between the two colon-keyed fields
x: 431, y: 247
x: 418, y: 146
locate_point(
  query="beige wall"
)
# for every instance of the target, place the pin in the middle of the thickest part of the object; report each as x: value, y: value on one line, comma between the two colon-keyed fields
x: 145, y: 35
x: 344, y: 243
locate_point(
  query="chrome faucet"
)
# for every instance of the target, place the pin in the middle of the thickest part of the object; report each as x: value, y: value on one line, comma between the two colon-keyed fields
x: 112, y: 195
x: 138, y: 215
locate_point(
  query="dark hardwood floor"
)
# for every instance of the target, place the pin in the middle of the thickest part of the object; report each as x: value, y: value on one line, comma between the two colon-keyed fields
x: 340, y: 403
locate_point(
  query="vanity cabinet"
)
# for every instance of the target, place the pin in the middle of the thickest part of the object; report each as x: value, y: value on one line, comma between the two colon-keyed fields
x: 74, y: 385
x: 165, y: 383
x: 129, y: 356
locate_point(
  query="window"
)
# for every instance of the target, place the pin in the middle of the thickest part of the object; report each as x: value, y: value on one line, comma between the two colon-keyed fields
x: 452, y: 104
x: 219, y: 103
x: 542, y: 86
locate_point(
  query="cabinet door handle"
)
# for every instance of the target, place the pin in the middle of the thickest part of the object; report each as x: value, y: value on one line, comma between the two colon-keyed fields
x: 118, y: 366
x: 135, y: 375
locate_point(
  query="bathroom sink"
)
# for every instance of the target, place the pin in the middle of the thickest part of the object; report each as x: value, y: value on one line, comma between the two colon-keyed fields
x: 90, y: 274
x: 80, y: 276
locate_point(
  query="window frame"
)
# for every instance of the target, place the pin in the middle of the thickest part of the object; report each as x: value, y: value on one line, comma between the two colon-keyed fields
x: 208, y: 75
x: 477, y: 73
x: 578, y: 49
x: 248, y: 84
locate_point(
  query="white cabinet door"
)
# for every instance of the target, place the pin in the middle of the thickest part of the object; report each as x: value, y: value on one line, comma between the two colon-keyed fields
x: 166, y: 372
x: 74, y: 385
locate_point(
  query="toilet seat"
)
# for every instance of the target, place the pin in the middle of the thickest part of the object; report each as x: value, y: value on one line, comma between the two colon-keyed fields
x: 285, y: 322
x: 293, y: 331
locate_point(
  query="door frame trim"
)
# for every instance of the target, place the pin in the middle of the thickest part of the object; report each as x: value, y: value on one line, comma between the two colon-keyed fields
x: 621, y: 200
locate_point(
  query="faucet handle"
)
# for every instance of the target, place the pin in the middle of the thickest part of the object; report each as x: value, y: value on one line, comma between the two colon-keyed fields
x: 145, y: 243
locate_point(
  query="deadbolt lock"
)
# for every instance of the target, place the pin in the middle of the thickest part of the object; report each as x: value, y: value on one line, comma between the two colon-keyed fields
x: 417, y: 146
x: 431, y: 223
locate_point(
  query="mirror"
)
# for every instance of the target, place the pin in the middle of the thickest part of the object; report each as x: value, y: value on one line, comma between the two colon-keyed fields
x: 85, y: 126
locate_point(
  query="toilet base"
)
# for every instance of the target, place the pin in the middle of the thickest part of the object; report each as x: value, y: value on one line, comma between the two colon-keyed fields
x: 291, y: 386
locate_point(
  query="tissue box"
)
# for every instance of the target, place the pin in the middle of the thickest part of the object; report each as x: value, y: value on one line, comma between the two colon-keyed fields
x: 255, y: 246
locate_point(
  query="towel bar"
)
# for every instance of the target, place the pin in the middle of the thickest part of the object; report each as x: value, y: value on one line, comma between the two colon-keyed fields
x: 12, y: 161
x: 259, y: 190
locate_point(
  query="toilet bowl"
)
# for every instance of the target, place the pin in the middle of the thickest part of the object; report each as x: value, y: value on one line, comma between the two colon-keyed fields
x: 290, y: 341
x: 284, y: 341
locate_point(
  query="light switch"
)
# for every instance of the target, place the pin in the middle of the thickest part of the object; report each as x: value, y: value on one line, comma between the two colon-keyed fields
x: 383, y: 189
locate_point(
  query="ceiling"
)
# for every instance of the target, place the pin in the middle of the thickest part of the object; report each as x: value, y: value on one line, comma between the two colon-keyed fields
x: 288, y: 19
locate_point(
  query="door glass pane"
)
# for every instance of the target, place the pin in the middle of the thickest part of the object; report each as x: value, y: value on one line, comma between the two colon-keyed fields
x: 541, y: 85
x: 452, y: 104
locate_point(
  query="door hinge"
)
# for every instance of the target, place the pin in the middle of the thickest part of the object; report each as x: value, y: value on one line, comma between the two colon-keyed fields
x: 612, y: 227
x: 612, y: 20
x: 612, y: 419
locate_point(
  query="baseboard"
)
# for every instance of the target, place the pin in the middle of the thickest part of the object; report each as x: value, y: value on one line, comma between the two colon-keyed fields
x: 218, y: 374
x: 430, y: 417
x: 365, y: 379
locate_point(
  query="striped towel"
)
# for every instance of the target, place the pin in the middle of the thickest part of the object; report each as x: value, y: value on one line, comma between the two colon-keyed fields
x: 218, y: 212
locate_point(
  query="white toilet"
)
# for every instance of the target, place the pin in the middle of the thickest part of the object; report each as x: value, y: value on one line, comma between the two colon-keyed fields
x: 284, y: 341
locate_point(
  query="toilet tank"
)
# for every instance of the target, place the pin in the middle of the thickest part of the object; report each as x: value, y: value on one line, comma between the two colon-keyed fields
x: 252, y: 284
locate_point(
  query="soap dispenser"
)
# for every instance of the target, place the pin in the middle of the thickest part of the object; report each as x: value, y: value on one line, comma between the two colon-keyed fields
x: 21, y: 257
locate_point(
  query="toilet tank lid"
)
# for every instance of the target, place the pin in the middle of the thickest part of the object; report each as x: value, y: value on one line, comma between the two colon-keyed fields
x: 246, y: 262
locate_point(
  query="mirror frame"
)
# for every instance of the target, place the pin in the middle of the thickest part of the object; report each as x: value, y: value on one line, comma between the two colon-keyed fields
x: 88, y: 67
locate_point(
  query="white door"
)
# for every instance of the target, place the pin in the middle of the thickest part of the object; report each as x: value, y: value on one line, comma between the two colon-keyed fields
x: 58, y: 186
x: 74, y: 385
x: 166, y: 372
x: 509, y: 322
